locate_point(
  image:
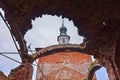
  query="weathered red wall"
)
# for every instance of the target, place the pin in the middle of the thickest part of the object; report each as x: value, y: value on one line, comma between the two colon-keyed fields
x: 22, y: 72
x: 64, y: 66
x: 2, y: 76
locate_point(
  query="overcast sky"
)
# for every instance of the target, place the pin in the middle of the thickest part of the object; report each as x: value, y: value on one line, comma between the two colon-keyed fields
x: 44, y: 33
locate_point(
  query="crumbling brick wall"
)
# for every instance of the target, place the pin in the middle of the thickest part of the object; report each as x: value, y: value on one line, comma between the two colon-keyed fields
x: 64, y: 66
x: 22, y: 72
x: 2, y: 76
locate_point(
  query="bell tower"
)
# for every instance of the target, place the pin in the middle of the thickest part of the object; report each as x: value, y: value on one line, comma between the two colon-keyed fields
x: 63, y: 38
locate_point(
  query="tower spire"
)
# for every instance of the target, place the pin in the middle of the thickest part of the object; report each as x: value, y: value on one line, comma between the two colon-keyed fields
x: 62, y: 21
x: 63, y: 29
x: 63, y: 38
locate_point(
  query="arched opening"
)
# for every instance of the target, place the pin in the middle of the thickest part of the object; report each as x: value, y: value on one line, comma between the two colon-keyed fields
x: 47, y: 27
x: 99, y: 71
x: 46, y: 30
x: 102, y: 72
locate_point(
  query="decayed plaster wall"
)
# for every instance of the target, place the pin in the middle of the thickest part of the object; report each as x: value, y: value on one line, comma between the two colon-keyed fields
x: 64, y: 65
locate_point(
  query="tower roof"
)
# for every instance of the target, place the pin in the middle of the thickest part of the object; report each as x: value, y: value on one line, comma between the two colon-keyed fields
x: 63, y: 29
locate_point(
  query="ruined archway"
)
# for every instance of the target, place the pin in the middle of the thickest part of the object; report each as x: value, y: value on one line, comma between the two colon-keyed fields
x: 96, y: 20
x: 88, y: 19
x: 58, y: 48
x: 57, y: 57
x: 45, y: 32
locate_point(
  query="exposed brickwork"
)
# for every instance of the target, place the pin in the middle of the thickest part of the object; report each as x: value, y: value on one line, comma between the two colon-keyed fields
x: 64, y: 66
x: 58, y: 48
x: 22, y: 72
x: 2, y: 76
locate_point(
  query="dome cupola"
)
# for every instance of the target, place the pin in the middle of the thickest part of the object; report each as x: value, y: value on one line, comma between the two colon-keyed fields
x: 63, y: 29
x: 63, y: 38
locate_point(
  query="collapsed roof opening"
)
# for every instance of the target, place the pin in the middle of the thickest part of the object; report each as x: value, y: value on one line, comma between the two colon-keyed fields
x: 46, y: 30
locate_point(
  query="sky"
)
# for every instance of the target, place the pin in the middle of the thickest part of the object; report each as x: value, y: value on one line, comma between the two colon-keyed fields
x: 44, y: 33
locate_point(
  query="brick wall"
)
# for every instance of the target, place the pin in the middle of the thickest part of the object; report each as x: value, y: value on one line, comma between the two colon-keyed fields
x: 2, y: 76
x: 22, y: 72
x: 64, y: 66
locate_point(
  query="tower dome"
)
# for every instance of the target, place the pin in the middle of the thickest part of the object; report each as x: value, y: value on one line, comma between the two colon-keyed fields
x: 63, y: 29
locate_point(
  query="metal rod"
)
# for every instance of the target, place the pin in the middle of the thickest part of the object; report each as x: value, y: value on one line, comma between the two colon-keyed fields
x: 10, y: 58
x: 12, y: 52
x: 10, y: 32
x: 9, y: 52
